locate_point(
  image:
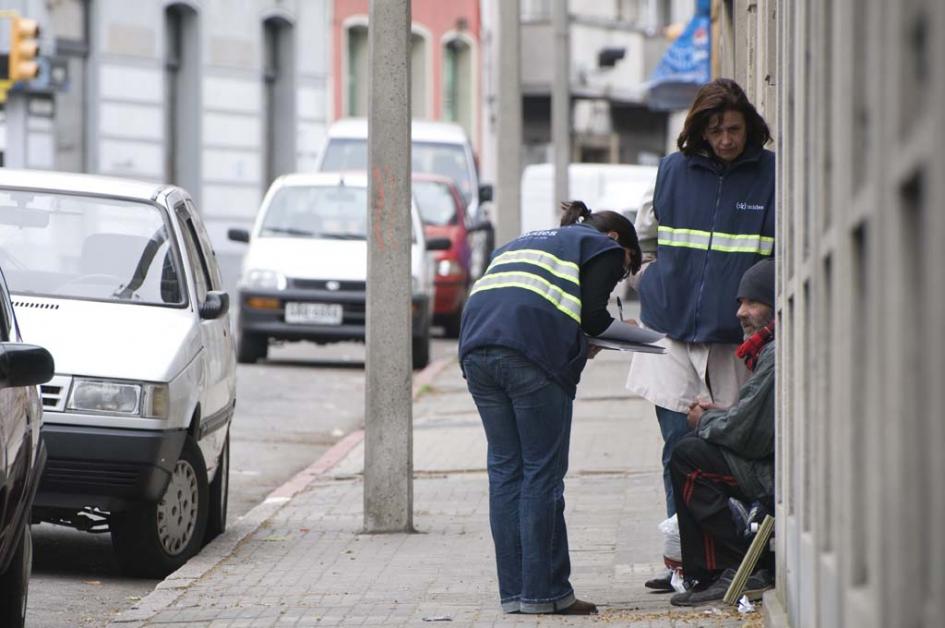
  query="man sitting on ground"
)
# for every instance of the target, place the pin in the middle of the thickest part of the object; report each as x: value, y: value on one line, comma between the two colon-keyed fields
x: 729, y: 454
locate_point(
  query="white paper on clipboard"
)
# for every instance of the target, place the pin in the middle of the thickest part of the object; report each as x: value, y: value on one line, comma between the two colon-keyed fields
x: 622, y: 345
x: 620, y: 336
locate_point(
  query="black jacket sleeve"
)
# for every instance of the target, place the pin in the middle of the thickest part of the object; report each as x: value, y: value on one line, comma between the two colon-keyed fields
x: 598, y: 278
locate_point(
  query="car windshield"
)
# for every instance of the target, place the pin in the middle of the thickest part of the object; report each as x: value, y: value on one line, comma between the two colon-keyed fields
x: 435, y: 202
x: 322, y: 211
x: 446, y: 160
x: 88, y: 247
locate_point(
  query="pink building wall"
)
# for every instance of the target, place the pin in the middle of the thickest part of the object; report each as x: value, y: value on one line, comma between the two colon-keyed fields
x: 436, y: 17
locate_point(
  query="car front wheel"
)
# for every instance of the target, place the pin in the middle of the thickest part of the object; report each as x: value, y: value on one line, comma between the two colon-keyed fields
x: 14, y: 584
x: 154, y: 539
x: 251, y: 348
x: 421, y: 349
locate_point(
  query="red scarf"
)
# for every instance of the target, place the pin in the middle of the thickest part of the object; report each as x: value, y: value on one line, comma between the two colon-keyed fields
x: 751, y: 348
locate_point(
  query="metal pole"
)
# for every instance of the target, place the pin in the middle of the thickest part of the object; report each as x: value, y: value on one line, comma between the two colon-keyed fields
x: 509, y: 114
x: 561, y: 104
x: 388, y: 443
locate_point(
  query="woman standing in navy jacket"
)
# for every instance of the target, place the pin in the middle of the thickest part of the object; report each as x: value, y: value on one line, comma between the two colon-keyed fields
x: 712, y: 217
x: 522, y: 348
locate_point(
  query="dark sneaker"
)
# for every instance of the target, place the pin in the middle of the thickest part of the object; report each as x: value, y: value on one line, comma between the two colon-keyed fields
x: 580, y: 607
x: 661, y: 585
x: 758, y: 583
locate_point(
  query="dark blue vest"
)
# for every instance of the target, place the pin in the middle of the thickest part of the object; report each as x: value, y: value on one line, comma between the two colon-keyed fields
x: 714, y: 224
x: 529, y: 300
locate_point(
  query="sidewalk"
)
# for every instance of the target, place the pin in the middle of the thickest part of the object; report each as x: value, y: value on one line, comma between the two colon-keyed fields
x: 299, y: 558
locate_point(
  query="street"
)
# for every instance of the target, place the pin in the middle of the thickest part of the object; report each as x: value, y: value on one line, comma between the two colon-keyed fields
x: 290, y: 409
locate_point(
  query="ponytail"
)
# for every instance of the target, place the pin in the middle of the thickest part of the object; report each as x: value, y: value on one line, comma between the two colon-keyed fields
x: 574, y: 212
x: 606, y: 221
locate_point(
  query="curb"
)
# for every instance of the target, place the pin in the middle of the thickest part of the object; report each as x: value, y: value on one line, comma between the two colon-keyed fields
x: 168, y: 590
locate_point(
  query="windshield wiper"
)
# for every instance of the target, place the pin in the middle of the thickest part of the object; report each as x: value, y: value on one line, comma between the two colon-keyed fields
x: 141, y: 270
x: 288, y: 231
x: 342, y: 236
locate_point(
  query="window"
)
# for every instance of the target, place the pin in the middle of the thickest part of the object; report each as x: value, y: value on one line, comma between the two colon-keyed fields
x: 418, y: 76
x: 457, y: 84
x: 203, y: 239
x: 194, y: 255
x: 357, y: 104
x: 279, y: 98
x: 435, y: 202
x: 86, y: 247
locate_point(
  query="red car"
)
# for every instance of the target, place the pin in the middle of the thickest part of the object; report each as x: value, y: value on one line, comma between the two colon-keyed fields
x: 444, y: 216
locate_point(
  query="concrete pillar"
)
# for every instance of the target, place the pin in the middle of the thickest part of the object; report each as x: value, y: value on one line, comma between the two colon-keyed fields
x: 388, y: 442
x: 509, y: 114
x: 561, y: 103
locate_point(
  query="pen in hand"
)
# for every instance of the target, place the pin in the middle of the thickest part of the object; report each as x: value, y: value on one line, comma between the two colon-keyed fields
x: 619, y: 309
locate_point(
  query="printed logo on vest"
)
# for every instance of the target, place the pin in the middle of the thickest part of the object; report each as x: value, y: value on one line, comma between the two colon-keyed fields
x: 749, y: 207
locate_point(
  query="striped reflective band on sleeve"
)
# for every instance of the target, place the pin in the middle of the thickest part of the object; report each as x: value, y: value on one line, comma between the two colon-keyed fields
x: 564, y: 302
x: 543, y: 259
x: 722, y: 242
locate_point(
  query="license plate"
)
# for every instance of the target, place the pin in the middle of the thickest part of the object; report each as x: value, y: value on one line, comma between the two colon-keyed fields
x: 313, y: 313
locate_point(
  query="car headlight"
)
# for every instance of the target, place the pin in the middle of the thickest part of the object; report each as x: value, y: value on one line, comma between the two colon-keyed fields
x: 117, y: 397
x: 264, y: 279
x: 447, y: 267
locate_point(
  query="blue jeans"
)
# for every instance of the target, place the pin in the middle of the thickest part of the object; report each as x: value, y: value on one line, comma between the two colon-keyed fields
x: 674, y: 426
x: 527, y: 419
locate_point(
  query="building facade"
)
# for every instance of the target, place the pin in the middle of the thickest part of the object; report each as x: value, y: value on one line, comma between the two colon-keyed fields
x: 445, y: 66
x: 856, y: 90
x: 219, y: 96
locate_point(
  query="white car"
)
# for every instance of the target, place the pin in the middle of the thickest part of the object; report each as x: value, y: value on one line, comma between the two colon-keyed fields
x: 439, y: 148
x: 118, y: 280
x: 305, y: 273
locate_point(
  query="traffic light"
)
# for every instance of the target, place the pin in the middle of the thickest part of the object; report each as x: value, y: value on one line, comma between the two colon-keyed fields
x: 23, y: 49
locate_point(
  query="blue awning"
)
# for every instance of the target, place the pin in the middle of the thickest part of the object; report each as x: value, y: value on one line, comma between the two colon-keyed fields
x: 685, y: 66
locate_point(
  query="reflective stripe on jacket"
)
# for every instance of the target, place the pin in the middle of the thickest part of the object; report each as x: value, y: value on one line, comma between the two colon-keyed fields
x: 714, y: 223
x: 529, y: 299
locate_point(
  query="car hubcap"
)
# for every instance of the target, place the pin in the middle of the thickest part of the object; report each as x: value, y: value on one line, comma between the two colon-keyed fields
x: 177, y: 512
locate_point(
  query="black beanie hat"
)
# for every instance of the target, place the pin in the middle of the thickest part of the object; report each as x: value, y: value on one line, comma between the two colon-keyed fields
x: 758, y: 282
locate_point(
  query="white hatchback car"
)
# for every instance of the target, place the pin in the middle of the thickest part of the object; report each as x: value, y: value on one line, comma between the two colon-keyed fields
x: 305, y: 273
x: 118, y: 280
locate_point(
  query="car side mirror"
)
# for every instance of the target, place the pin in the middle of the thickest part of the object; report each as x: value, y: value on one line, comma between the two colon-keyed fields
x: 238, y: 235
x: 485, y: 192
x: 216, y: 305
x: 24, y: 365
x: 439, y: 244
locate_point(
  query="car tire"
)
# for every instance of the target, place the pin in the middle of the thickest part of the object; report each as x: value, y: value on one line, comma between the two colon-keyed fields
x: 451, y: 324
x: 154, y: 539
x: 421, y: 349
x: 14, y: 583
x: 251, y: 348
x: 219, y: 496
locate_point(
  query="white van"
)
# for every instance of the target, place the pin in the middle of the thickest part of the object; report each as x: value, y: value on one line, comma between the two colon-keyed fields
x: 618, y: 187
x: 440, y: 148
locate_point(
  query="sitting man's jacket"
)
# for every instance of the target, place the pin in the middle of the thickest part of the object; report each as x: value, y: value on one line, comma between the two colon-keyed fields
x: 745, y: 431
